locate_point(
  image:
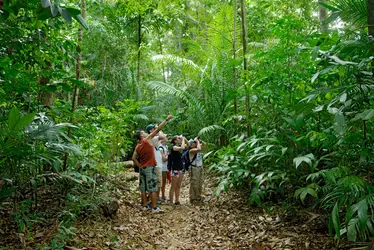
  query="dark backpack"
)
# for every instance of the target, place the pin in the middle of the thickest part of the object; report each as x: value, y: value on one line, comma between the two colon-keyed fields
x: 170, y: 161
x: 186, y: 160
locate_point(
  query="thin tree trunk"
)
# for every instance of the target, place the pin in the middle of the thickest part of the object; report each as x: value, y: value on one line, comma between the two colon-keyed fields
x: 44, y: 97
x: 234, y: 55
x: 245, y: 48
x: 162, y: 52
x: 139, y: 44
x: 77, y: 75
x: 185, y: 26
x: 370, y: 9
x: 322, y: 17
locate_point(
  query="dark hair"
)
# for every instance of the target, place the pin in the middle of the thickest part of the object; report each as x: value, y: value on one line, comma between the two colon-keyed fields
x: 138, y: 135
x: 174, y: 139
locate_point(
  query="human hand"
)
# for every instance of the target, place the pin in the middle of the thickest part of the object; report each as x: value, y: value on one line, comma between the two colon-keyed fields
x: 169, y: 118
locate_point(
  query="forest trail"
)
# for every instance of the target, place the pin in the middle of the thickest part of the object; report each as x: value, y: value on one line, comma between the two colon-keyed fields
x: 226, y: 222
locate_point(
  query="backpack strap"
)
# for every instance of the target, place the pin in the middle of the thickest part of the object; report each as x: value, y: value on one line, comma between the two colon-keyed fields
x: 193, y: 158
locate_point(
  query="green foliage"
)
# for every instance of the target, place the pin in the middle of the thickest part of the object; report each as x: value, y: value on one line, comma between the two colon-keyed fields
x: 311, y: 105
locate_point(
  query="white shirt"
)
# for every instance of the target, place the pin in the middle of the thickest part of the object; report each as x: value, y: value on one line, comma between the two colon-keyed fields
x: 164, y: 163
x: 198, y: 162
x: 158, y: 155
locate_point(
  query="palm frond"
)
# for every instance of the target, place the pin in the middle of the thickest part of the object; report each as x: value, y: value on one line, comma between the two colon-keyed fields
x: 351, y: 11
x: 176, y: 60
x: 141, y: 117
x: 347, y: 190
x: 211, y: 129
x: 188, y: 98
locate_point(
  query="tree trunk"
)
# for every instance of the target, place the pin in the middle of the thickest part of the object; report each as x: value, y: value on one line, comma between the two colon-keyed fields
x: 322, y: 17
x: 234, y: 55
x: 139, y: 44
x: 77, y: 75
x: 78, y: 64
x: 185, y: 26
x: 370, y: 9
x: 45, y: 97
x: 245, y: 48
x: 162, y: 52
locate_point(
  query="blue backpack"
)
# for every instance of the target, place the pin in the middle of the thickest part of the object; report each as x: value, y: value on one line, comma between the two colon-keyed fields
x: 186, y: 159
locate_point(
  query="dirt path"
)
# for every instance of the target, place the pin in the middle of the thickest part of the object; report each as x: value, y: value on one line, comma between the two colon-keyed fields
x: 226, y: 222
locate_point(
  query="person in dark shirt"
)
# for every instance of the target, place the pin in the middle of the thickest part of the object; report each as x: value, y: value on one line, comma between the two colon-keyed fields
x: 176, y: 167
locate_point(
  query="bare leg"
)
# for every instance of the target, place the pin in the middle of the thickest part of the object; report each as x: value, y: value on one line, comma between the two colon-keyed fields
x: 172, y: 188
x: 144, y: 198
x: 178, y: 187
x: 163, y: 185
x: 153, y: 199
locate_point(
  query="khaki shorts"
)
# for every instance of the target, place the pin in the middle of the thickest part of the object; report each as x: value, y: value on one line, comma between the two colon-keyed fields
x: 159, y: 176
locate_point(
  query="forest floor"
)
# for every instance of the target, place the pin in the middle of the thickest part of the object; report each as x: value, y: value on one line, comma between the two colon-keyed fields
x: 224, y: 222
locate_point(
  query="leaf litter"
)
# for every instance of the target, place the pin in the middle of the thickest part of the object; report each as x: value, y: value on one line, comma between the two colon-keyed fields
x: 225, y: 222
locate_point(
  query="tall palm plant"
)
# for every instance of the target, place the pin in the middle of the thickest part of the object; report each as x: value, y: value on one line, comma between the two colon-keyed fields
x: 350, y: 11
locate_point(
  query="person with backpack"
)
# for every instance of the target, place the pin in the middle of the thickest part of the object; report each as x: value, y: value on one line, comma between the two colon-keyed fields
x: 165, y: 153
x: 176, y: 167
x: 196, y: 170
x: 147, y: 162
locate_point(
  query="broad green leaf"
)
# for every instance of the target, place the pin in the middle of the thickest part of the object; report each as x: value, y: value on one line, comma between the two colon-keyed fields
x: 235, y: 63
x: 352, y: 230
x: 315, y: 76
x: 80, y: 20
x: 5, y: 192
x: 13, y: 118
x: 66, y: 15
x: 306, y: 158
x: 46, y: 3
x: 73, y: 12
x: 366, y: 115
x: 338, y: 60
x: 223, y: 186
x: 340, y: 123
x: 284, y: 150
x: 335, y: 219
x: 328, y: 6
x: 303, y: 192
x: 343, y: 97
x: 54, y: 10
x: 318, y: 109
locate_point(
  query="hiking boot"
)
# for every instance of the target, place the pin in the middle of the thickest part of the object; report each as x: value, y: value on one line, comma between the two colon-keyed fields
x: 157, y: 210
x: 177, y: 203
